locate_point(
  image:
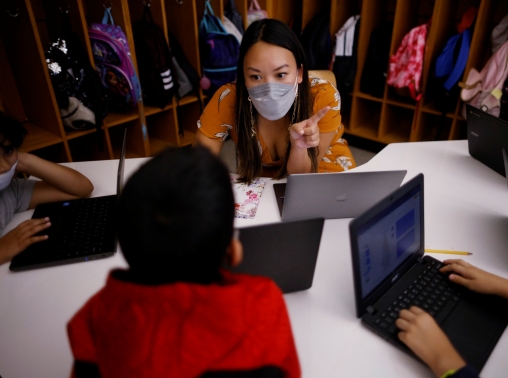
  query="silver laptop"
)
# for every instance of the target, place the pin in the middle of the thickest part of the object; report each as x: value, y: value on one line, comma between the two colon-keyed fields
x: 334, y: 195
x: 286, y: 252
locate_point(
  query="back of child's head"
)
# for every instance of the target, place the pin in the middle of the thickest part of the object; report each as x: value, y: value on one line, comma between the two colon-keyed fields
x: 175, y: 217
x: 11, y: 131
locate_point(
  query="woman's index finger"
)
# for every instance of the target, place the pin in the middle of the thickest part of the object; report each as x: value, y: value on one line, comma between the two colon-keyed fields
x: 320, y: 114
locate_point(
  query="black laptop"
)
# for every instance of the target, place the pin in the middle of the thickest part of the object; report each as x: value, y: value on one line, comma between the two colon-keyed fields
x: 487, y: 135
x: 390, y: 273
x: 285, y: 252
x: 81, y: 230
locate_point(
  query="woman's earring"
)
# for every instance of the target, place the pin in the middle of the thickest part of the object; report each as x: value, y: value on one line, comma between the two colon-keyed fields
x: 252, y: 129
x: 296, y: 103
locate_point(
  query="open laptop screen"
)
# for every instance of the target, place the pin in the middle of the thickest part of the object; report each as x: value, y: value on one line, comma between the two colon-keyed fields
x: 387, y: 238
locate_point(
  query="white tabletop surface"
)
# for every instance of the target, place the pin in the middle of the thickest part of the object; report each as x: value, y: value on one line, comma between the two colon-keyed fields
x: 466, y: 208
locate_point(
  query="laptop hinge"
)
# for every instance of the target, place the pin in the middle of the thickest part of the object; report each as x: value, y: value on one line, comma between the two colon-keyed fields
x: 370, y: 310
x: 420, y: 259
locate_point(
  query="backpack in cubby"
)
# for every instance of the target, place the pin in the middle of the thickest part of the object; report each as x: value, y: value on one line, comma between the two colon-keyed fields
x: 406, y: 65
x: 155, y: 61
x: 219, y: 52
x: 113, y: 62
x: 78, y: 90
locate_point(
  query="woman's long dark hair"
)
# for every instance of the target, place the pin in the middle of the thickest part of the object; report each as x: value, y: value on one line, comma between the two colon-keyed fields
x: 277, y: 33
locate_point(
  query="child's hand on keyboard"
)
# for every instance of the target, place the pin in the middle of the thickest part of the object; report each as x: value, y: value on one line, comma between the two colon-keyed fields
x: 21, y: 237
x: 475, y: 279
x: 422, y: 335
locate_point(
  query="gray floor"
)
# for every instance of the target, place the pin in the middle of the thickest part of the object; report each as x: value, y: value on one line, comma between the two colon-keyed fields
x: 228, y: 155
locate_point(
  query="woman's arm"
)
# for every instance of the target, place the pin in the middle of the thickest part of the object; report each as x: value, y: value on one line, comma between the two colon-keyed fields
x: 213, y: 145
x: 58, y: 183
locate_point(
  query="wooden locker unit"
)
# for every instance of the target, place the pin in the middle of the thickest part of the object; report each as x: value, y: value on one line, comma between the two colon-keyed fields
x: 27, y: 27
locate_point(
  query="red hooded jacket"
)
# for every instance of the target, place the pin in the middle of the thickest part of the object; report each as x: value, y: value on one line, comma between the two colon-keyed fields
x: 184, y: 329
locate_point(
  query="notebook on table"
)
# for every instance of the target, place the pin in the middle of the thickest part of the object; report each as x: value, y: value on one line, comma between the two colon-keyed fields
x: 81, y: 230
x: 285, y: 252
x: 333, y: 195
x: 487, y: 135
x: 390, y: 272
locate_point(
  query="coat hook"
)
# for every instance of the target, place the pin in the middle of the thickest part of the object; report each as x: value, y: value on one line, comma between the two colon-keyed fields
x: 107, y: 6
x: 13, y: 14
x: 64, y: 9
x: 179, y: 2
x: 147, y: 3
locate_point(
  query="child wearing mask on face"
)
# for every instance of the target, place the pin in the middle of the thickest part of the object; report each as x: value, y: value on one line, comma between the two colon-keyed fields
x: 420, y: 332
x: 175, y: 312
x: 58, y: 183
x: 281, y: 120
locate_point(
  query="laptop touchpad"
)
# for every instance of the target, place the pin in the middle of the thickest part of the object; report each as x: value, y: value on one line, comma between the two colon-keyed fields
x: 473, y: 331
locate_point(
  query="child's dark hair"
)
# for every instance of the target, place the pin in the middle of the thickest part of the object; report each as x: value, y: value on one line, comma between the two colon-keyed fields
x: 175, y: 217
x: 11, y: 131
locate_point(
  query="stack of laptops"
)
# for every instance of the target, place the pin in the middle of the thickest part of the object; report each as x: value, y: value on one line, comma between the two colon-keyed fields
x: 81, y: 230
x: 391, y: 273
x: 333, y: 195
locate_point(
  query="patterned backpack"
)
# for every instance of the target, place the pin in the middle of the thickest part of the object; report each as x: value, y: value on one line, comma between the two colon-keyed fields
x: 405, y: 68
x: 113, y: 62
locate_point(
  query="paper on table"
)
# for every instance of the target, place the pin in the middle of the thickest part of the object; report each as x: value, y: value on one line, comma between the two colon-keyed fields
x: 247, y: 197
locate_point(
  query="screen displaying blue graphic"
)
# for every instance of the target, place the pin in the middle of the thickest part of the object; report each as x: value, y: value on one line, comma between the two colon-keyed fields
x: 388, y: 239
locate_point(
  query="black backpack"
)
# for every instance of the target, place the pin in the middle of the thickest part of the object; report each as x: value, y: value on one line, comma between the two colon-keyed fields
x: 375, y: 69
x: 185, y: 71
x: 156, y: 72
x: 79, y: 93
x: 316, y: 42
x: 344, y: 66
x: 232, y: 14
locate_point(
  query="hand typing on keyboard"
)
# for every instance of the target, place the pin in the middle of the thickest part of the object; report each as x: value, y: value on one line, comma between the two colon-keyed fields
x: 21, y: 237
x: 475, y: 279
x: 420, y: 332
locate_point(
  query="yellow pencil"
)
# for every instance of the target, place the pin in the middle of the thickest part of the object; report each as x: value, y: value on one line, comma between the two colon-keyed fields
x: 448, y: 252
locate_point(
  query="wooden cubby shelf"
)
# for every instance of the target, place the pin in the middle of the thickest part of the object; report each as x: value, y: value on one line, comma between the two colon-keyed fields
x: 26, y: 91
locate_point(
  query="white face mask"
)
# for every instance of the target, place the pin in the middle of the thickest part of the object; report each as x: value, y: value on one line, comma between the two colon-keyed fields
x: 5, y: 178
x: 273, y: 100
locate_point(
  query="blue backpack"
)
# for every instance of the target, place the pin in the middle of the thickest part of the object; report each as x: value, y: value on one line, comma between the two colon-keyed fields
x: 219, y: 52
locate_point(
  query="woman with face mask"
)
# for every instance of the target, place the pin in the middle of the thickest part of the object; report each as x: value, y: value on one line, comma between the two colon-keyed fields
x: 58, y: 183
x: 281, y: 120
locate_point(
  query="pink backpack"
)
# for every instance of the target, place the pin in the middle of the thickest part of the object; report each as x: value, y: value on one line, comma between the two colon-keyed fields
x: 484, y: 89
x: 405, y: 70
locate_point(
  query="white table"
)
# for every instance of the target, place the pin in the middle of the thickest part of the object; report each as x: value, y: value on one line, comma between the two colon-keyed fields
x: 466, y: 208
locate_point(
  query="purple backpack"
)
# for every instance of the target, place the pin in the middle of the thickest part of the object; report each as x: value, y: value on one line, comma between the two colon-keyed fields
x: 113, y: 62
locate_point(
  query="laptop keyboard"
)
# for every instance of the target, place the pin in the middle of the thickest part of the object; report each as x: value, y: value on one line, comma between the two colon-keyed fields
x: 431, y: 291
x: 88, y: 226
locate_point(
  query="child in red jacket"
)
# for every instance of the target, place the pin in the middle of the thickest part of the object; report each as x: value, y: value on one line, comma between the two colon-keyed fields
x: 175, y: 312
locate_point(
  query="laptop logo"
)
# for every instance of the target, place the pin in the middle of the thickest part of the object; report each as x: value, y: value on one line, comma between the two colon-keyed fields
x: 341, y: 197
x: 475, y: 134
x: 395, y: 277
